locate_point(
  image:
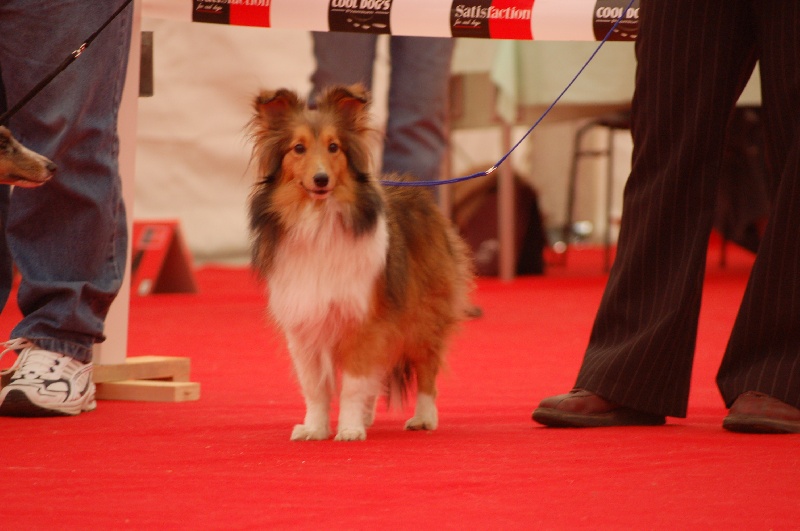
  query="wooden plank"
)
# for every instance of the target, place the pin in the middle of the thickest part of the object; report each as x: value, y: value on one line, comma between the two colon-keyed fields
x: 149, y: 391
x: 144, y: 368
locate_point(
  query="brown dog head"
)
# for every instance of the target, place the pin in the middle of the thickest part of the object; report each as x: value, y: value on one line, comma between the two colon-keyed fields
x: 19, y: 166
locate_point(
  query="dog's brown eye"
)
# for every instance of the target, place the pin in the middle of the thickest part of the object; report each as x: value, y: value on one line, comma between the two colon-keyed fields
x: 299, y: 149
x: 333, y: 147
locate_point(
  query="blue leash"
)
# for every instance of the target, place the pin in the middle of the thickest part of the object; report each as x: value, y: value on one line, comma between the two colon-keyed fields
x: 484, y: 173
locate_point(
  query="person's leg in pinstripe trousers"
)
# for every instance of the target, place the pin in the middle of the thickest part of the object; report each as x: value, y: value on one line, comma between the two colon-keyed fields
x: 695, y: 56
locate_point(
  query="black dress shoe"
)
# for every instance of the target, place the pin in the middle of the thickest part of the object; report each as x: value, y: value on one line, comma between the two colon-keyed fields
x: 755, y: 412
x: 583, y: 409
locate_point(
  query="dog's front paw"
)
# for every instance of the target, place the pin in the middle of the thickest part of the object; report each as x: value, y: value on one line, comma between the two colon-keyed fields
x: 417, y: 423
x: 351, y: 434
x: 301, y: 432
x: 426, y: 416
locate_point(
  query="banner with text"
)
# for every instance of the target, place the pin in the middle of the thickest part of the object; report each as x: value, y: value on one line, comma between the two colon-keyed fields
x: 565, y: 20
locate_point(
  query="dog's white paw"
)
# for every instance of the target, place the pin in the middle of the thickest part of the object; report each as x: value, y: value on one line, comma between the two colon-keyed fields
x: 301, y: 432
x: 417, y: 423
x: 426, y: 416
x: 351, y: 434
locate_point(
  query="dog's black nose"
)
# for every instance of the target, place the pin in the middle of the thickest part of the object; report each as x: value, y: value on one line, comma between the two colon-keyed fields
x: 321, y: 180
x: 51, y: 167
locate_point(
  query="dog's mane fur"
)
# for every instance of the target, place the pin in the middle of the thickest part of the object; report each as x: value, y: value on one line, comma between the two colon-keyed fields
x: 276, y: 114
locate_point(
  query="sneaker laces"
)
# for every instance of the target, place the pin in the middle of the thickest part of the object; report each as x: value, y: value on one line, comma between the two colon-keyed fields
x: 35, y: 362
x: 14, y: 345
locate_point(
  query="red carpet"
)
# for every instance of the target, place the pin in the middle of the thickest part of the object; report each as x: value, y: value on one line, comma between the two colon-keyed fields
x: 226, y: 462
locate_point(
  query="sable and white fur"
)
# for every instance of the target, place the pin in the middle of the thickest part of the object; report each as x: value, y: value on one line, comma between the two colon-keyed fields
x: 20, y: 166
x: 365, y: 282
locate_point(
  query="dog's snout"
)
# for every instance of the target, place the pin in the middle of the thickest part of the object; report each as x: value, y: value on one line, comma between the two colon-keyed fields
x: 51, y: 167
x: 321, y: 180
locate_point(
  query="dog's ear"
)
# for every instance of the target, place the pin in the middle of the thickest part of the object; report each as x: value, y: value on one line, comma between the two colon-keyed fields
x: 271, y: 106
x: 350, y: 102
x: 273, y: 111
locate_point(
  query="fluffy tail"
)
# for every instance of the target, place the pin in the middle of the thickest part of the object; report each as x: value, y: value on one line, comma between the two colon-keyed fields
x: 398, y: 384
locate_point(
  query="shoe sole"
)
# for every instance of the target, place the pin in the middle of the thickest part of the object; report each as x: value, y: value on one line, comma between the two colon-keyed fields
x: 17, y: 404
x: 618, y: 417
x: 754, y: 424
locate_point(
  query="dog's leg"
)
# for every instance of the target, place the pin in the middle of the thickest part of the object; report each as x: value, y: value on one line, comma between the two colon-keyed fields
x: 369, y: 410
x: 356, y: 405
x: 316, y: 389
x: 426, y: 416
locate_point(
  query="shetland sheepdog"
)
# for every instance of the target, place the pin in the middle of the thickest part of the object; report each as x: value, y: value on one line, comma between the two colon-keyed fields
x: 366, y: 282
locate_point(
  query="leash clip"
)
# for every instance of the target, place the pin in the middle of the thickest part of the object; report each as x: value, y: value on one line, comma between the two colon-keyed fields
x: 79, y: 51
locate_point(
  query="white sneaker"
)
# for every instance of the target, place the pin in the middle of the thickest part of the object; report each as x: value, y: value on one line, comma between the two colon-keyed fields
x: 45, y: 383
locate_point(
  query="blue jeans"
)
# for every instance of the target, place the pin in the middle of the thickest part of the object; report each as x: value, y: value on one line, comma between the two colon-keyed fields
x: 67, y: 238
x: 418, y: 87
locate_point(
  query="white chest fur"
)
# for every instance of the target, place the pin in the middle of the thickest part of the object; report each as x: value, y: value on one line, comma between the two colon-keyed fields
x: 323, y: 272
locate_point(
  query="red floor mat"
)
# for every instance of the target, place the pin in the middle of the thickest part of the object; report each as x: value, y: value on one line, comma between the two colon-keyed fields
x: 226, y: 462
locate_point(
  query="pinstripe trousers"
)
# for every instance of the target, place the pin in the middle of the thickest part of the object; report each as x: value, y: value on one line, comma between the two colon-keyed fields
x: 694, y: 58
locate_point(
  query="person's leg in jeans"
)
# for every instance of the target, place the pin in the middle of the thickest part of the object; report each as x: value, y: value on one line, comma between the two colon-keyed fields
x: 342, y: 59
x: 416, y: 138
x: 418, y: 85
x: 6, y: 263
x: 67, y: 238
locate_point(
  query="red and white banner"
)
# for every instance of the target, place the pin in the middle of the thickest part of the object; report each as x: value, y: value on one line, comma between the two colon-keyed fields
x: 555, y: 20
